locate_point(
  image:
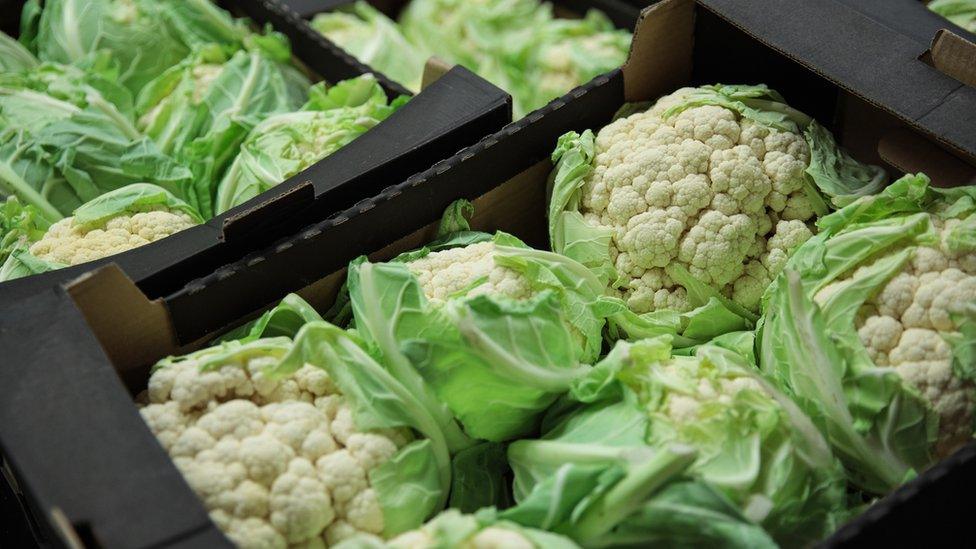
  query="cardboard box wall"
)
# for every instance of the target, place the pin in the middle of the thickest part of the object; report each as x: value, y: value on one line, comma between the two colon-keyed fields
x: 80, y: 346
x: 455, y: 109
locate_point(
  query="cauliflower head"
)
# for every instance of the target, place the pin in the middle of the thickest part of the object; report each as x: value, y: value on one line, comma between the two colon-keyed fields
x: 872, y: 327
x: 68, y: 243
x: 276, y: 462
x: 286, y: 143
x: 752, y: 442
x: 469, y: 270
x: 496, y: 329
x: 120, y: 220
x: 482, y: 530
x: 705, y: 187
x: 904, y: 326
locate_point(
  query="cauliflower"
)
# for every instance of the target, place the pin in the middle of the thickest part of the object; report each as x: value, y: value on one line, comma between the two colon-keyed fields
x: 68, y: 243
x: 286, y: 143
x: 276, y: 462
x: 707, y: 188
x: 901, y: 328
x: 469, y: 270
x: 197, y: 74
x: 117, y: 221
x: 521, y: 46
x: 569, y: 52
x: 734, y: 432
x: 497, y: 330
x: 453, y: 530
x: 872, y: 327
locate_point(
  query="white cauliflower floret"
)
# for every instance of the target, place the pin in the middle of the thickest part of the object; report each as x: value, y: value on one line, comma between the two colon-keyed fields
x: 684, y: 403
x: 902, y: 327
x: 498, y: 538
x: 433, y: 534
x: 68, y: 244
x: 445, y: 273
x: 704, y: 188
x: 924, y: 359
x: 277, y: 463
x: 716, y: 247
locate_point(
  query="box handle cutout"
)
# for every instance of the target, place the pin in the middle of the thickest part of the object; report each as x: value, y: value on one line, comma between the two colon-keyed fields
x: 953, y: 56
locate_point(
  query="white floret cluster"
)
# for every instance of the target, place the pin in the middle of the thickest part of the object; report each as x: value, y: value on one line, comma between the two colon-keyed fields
x: 449, y: 272
x: 685, y: 407
x: 276, y: 463
x: 68, y: 244
x: 717, y: 193
x: 901, y: 327
x: 491, y: 537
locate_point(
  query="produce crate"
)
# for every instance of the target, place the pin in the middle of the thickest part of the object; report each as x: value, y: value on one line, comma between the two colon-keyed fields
x: 454, y: 110
x: 82, y: 452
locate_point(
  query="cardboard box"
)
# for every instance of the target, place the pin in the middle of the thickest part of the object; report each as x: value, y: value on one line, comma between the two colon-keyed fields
x: 457, y: 108
x: 76, y: 353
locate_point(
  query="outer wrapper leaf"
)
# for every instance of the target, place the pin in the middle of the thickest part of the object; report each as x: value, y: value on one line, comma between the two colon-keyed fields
x: 20, y: 263
x: 204, y: 123
x: 501, y: 365
x: 70, y: 137
x: 285, y: 319
x: 480, y: 478
x: 136, y: 35
x: 14, y: 56
x: 138, y: 197
x: 199, y: 22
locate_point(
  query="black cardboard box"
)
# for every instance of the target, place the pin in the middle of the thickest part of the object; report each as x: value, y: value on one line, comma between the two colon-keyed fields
x: 455, y: 109
x: 75, y: 353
